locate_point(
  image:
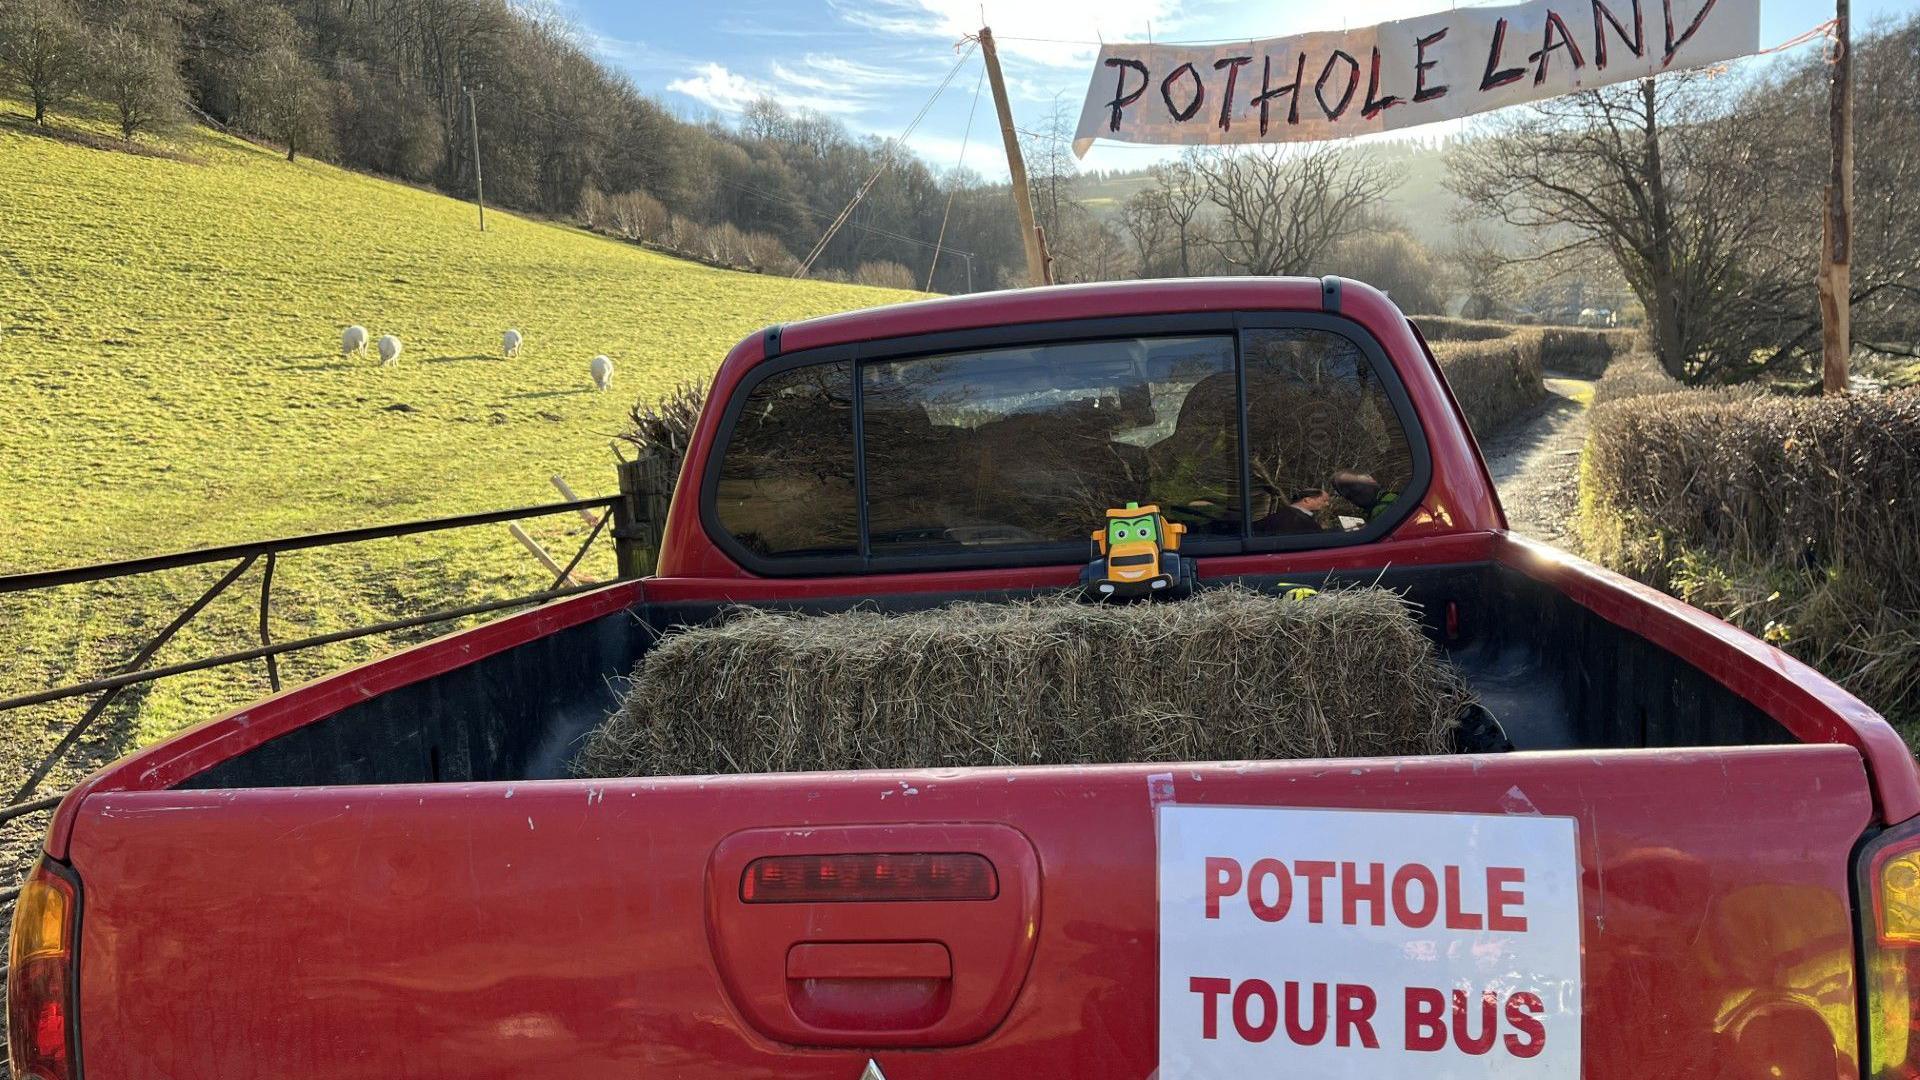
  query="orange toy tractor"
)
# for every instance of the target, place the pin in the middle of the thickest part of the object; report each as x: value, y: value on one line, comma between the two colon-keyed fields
x: 1135, y: 557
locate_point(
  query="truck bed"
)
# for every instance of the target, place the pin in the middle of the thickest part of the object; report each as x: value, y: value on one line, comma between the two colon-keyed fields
x: 1553, y: 673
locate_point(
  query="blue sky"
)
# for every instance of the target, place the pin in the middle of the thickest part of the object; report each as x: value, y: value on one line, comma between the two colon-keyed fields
x: 873, y: 63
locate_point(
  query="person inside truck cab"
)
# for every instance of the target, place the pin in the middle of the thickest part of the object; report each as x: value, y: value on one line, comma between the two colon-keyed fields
x: 1364, y: 492
x: 1300, y: 514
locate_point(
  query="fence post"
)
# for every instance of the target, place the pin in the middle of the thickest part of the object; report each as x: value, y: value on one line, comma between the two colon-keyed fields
x: 646, y: 489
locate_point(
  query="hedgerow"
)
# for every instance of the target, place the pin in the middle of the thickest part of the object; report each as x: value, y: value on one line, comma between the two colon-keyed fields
x: 1497, y: 377
x: 1797, y: 519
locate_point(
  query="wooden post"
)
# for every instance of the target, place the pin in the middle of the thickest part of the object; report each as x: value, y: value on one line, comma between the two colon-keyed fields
x: 479, y: 189
x: 567, y: 493
x: 1016, y: 165
x: 640, y: 515
x: 1836, y: 243
x: 533, y: 548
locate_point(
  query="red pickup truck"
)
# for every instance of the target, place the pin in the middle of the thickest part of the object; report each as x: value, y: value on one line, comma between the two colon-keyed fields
x: 1682, y: 853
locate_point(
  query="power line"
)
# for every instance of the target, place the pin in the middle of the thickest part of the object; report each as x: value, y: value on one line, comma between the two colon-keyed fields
x: 886, y: 160
x: 953, y: 186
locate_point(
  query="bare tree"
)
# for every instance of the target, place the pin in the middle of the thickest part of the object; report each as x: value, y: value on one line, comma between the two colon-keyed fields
x: 43, y: 48
x: 1282, y: 209
x: 1485, y: 270
x: 1145, y: 216
x: 1393, y: 260
x: 1781, y: 125
x: 136, y: 70
x: 1183, y: 191
x: 1051, y: 167
x: 1639, y: 173
x: 284, y: 98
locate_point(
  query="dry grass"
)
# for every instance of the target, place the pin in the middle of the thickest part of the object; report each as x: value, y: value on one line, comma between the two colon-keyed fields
x: 1497, y: 377
x: 1439, y: 328
x: 665, y: 425
x: 1228, y: 675
x: 1635, y: 375
x: 1795, y: 518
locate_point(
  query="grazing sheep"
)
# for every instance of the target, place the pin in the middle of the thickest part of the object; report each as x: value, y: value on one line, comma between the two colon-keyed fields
x: 354, y: 340
x: 602, y: 371
x: 510, y: 343
x: 389, y: 347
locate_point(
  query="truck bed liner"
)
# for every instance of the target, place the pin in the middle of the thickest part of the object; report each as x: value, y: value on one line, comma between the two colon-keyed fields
x: 1556, y: 675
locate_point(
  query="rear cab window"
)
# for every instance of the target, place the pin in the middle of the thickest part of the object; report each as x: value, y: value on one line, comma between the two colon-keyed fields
x: 1254, y: 436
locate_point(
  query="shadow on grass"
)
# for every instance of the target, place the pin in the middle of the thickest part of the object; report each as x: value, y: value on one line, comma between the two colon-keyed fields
x: 341, y: 364
x: 23, y: 123
x: 553, y: 393
x: 458, y: 359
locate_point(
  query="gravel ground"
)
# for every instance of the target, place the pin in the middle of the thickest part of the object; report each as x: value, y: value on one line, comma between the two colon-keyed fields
x: 1536, y: 463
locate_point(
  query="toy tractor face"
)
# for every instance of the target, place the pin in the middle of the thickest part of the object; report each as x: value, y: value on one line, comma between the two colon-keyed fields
x: 1132, y: 547
x: 1136, y: 556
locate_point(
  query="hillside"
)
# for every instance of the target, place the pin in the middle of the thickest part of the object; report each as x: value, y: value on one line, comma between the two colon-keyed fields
x: 169, y: 343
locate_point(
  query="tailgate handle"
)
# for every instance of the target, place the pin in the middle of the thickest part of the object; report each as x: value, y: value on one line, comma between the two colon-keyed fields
x: 870, y: 960
x: 916, y: 934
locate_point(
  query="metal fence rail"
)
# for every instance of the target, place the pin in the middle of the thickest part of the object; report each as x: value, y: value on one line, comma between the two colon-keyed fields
x: 244, y: 556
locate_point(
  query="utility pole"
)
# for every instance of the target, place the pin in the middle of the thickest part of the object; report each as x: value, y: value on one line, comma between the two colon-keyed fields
x: 1016, y: 165
x: 1836, y: 244
x: 479, y: 188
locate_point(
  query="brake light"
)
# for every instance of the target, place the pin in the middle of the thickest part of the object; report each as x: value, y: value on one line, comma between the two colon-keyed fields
x: 826, y: 879
x: 1888, y: 880
x: 40, y: 982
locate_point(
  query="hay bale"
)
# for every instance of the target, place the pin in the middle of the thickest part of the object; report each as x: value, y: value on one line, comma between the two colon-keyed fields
x: 1230, y: 674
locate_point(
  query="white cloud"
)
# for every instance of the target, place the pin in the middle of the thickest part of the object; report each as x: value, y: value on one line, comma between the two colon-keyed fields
x: 724, y: 90
x: 728, y: 91
x: 1058, y: 33
x: 985, y: 154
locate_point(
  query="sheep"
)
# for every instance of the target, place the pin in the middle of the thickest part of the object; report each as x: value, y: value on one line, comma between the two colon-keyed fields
x: 354, y: 340
x: 510, y: 344
x: 602, y: 371
x: 389, y: 347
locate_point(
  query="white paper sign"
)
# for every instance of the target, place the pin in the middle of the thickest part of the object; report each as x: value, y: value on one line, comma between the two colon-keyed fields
x: 1353, y: 943
x: 1337, y: 84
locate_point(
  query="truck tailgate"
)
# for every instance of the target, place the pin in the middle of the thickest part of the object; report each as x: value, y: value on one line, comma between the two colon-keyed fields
x: 572, y: 929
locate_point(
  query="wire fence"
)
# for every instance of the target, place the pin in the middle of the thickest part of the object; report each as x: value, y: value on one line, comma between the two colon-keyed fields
x: 26, y: 799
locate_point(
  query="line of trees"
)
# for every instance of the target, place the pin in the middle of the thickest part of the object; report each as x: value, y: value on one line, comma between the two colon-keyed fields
x: 1704, y: 194
x: 129, y: 62
x: 382, y: 85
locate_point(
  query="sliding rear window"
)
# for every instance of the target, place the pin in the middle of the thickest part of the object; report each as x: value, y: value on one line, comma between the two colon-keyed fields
x: 1010, y: 454
x: 1030, y: 446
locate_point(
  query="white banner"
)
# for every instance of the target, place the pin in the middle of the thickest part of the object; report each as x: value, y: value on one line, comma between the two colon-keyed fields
x: 1368, y: 945
x: 1338, y: 84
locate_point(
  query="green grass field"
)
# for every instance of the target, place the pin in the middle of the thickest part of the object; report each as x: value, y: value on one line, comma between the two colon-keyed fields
x: 169, y: 348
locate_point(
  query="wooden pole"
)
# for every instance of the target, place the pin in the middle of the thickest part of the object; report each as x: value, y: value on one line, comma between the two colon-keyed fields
x: 1836, y: 255
x: 479, y: 188
x: 567, y: 494
x: 533, y: 548
x: 1016, y: 165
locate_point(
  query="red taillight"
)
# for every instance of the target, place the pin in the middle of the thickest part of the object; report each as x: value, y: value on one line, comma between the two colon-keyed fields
x: 40, y: 976
x: 826, y: 879
x: 1889, y: 886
